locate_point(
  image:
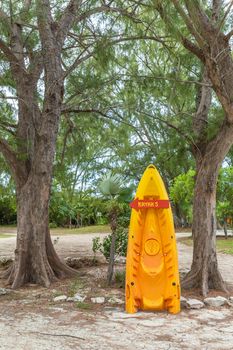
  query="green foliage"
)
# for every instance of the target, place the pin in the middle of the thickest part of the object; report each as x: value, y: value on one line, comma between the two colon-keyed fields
x: 81, y: 211
x: 120, y: 277
x: 8, y: 215
x: 225, y: 245
x: 134, y: 107
x: 52, y: 225
x: 84, y: 306
x: 181, y: 193
x: 104, y: 246
x: 121, y: 236
x: 96, y: 245
x: 225, y: 194
x: 75, y: 286
x: 110, y: 185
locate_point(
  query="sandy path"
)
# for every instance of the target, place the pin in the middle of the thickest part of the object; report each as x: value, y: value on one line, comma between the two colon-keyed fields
x: 81, y: 245
x: 60, y: 328
x: 67, y: 245
x: 34, y: 322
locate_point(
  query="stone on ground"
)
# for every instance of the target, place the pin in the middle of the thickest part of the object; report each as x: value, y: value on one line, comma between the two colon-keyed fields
x: 194, y: 304
x: 215, y: 302
x: 115, y: 300
x: 79, y: 298
x: 60, y: 298
x: 183, y: 302
x: 4, y: 291
x: 98, y: 300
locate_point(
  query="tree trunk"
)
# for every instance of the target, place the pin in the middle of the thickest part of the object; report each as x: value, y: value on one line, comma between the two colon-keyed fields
x: 225, y: 228
x: 111, y: 258
x: 35, y: 258
x: 113, y: 223
x: 31, y: 158
x: 204, y: 272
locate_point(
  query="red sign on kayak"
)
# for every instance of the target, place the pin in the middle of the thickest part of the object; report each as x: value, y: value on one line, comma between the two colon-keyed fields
x: 149, y: 203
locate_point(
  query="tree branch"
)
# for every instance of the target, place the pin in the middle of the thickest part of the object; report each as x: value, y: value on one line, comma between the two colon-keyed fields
x: 8, y: 53
x: 93, y: 110
x: 188, y: 22
x: 183, y: 134
x: 67, y: 20
x: 80, y: 60
x: 5, y: 19
x: 6, y: 128
x: 200, y: 118
x: 16, y: 167
x: 77, y: 62
x: 193, y: 48
x: 27, y: 5
x: 106, y: 8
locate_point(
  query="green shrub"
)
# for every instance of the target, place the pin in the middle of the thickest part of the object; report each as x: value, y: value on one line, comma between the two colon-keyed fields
x: 52, y: 225
x: 105, y: 245
x: 120, y: 277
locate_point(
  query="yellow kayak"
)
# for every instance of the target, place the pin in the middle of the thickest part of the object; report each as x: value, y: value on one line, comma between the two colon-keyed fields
x: 152, y: 276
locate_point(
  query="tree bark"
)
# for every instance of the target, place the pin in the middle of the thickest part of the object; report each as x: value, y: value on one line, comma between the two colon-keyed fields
x: 35, y: 258
x: 204, y: 273
x: 113, y: 223
x: 225, y: 228
x: 111, y: 258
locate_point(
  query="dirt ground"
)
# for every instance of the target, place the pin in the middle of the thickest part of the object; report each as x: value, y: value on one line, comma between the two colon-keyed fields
x: 31, y: 320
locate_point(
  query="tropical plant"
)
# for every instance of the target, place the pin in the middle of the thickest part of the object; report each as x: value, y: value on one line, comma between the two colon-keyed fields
x: 111, y: 188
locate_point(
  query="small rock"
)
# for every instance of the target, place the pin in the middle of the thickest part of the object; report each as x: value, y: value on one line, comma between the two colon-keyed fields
x: 231, y: 299
x: 183, y: 302
x: 70, y: 299
x: 60, y: 298
x: 98, y: 300
x: 79, y: 298
x: 194, y: 304
x: 4, y: 291
x: 114, y: 300
x: 216, y: 302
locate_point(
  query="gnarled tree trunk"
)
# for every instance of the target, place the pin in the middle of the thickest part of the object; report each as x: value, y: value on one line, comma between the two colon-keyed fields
x: 32, y: 164
x: 204, y: 273
x: 35, y: 258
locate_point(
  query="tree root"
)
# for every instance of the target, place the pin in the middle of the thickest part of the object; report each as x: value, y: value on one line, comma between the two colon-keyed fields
x: 204, y: 280
x: 45, y: 269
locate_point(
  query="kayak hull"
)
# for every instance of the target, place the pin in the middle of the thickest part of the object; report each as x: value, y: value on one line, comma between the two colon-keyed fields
x: 152, y: 276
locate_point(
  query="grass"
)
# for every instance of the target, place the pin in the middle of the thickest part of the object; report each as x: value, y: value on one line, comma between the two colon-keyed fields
x: 83, y: 306
x: 80, y: 230
x: 75, y: 286
x: 5, y: 230
x: 5, y: 235
x: 223, y: 245
x: 120, y: 277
